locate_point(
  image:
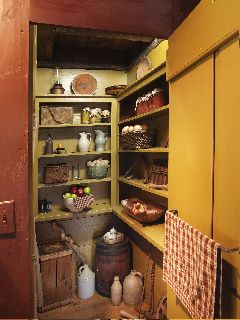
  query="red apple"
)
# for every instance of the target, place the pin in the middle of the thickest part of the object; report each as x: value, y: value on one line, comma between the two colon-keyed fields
x: 80, y: 192
x: 73, y: 189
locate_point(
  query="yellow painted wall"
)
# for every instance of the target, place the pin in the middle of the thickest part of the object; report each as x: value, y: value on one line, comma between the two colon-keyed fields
x: 203, y: 69
x: 157, y: 56
x: 105, y: 78
x: 207, y: 26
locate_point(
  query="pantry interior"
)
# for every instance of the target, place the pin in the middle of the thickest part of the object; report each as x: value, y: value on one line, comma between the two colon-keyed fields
x: 87, y: 226
x: 174, y: 147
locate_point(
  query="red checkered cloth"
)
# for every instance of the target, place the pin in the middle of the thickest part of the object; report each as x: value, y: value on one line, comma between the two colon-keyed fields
x: 83, y: 202
x: 192, y: 266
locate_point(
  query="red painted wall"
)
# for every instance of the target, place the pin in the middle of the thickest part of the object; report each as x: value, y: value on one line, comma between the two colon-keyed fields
x: 15, y: 298
x: 144, y: 17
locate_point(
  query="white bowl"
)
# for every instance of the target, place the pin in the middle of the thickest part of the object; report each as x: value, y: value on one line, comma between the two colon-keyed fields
x: 68, y: 202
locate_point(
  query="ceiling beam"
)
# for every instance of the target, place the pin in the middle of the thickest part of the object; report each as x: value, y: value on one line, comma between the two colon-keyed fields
x: 142, y: 17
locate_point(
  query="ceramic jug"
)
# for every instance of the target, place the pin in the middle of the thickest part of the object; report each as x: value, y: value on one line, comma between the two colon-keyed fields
x: 132, y: 288
x: 116, y: 292
x: 86, y: 282
x: 100, y: 140
x: 84, y: 142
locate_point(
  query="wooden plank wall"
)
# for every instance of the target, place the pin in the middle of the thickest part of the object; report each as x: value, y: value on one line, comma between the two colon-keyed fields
x: 15, y: 262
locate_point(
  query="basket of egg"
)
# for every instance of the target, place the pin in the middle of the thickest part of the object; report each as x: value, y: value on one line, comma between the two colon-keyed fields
x: 136, y: 137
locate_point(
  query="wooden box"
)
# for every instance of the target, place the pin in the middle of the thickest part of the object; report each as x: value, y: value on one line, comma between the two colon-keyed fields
x: 56, y: 275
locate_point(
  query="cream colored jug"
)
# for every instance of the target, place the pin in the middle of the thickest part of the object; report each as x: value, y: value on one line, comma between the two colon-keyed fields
x: 132, y: 288
x: 84, y: 142
x: 116, y: 292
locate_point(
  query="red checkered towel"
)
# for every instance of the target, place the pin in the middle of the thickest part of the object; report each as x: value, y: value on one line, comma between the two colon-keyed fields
x: 83, y: 202
x: 192, y: 266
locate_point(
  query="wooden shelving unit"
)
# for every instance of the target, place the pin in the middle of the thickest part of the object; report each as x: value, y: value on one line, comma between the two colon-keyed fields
x: 154, y: 234
x: 138, y: 184
x: 158, y: 121
x: 67, y: 134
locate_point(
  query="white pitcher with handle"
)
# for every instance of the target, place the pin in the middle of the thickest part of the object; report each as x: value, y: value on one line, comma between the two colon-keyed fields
x: 84, y: 142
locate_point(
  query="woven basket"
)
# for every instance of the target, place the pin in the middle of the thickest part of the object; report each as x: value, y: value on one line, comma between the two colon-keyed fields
x: 56, y: 173
x: 136, y: 140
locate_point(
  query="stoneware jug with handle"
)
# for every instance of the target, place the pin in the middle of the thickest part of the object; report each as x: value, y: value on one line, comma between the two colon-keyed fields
x: 100, y: 140
x: 84, y: 142
x: 86, y: 282
x: 132, y: 288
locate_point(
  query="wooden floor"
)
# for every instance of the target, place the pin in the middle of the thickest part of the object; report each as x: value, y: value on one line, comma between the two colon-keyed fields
x: 96, y: 307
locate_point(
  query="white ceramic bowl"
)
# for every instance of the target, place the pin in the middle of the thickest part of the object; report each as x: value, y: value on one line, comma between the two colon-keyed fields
x: 68, y: 202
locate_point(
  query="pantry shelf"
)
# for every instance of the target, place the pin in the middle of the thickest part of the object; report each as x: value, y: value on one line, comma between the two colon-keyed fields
x: 153, y: 150
x: 58, y: 214
x: 136, y: 183
x: 74, y: 125
x: 144, y: 81
x: 73, y: 154
x: 148, y: 115
x: 153, y: 234
x: 72, y: 182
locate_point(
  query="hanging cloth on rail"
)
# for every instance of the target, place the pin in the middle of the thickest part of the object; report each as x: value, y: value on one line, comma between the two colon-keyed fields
x: 192, y: 266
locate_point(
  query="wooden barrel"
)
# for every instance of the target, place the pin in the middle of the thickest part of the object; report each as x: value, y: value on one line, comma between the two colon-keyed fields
x: 111, y: 260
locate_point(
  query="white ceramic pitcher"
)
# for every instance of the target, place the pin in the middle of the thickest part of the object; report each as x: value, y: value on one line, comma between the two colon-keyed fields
x: 86, y: 282
x: 84, y: 142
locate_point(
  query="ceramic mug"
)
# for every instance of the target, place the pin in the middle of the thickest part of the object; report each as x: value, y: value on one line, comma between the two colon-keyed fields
x: 44, y: 206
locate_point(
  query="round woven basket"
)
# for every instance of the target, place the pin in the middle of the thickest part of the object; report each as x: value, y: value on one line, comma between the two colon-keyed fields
x: 136, y: 140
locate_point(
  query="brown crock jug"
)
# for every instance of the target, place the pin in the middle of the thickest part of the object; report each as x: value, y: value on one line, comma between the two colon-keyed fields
x: 132, y: 288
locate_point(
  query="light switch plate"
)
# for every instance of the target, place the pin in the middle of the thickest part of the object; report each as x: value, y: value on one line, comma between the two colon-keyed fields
x: 7, y: 217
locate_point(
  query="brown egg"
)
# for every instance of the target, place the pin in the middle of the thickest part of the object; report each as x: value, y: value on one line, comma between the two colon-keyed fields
x: 145, y: 127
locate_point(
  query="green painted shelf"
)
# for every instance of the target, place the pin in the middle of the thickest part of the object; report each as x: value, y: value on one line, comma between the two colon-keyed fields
x: 138, y: 184
x: 73, y: 182
x: 72, y: 154
x: 57, y: 214
x: 153, y: 234
x: 74, y: 125
x: 148, y: 115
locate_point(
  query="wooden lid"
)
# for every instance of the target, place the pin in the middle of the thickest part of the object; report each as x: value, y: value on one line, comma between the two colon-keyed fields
x: 84, y: 84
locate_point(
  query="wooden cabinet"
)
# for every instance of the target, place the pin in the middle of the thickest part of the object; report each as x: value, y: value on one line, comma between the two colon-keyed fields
x: 226, y: 218
x: 67, y: 135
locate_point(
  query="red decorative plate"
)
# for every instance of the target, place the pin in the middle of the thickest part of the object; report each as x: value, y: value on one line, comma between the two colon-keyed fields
x: 84, y: 84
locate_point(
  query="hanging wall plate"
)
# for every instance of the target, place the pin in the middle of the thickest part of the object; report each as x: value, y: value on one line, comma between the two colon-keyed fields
x: 84, y: 84
x: 144, y: 67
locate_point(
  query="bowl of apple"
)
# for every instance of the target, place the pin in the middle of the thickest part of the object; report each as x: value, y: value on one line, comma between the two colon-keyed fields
x: 78, y: 198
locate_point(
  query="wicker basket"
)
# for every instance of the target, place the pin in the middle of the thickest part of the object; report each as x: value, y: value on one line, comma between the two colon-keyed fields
x: 136, y: 140
x: 56, y: 173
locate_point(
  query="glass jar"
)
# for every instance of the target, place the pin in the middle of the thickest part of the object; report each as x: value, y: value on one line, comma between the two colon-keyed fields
x: 85, y: 116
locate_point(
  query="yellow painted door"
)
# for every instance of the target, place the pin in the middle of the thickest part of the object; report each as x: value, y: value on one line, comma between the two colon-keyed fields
x: 191, y: 153
x: 226, y: 217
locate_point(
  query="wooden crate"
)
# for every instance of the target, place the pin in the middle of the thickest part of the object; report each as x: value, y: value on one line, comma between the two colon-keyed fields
x: 56, y: 275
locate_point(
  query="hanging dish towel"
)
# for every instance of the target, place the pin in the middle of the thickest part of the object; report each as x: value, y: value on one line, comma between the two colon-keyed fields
x: 192, y: 266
